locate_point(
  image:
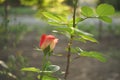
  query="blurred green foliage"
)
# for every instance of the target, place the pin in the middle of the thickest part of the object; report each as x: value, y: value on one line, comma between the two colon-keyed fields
x: 10, y: 2
x: 56, y: 7
x: 3, y: 36
x: 16, y: 33
x: 15, y: 63
x: 109, y: 30
x: 13, y: 35
x: 18, y: 11
x: 113, y: 30
x: 1, y: 1
x: 13, y: 66
x: 42, y: 3
x: 115, y: 3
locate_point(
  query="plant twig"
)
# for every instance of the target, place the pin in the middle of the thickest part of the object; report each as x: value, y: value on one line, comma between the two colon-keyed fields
x: 70, y: 42
x: 68, y: 58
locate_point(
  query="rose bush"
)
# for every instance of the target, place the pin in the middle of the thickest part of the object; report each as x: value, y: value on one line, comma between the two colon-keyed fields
x: 71, y: 30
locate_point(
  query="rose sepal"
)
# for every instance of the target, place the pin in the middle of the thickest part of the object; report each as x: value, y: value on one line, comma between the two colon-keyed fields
x: 47, y: 51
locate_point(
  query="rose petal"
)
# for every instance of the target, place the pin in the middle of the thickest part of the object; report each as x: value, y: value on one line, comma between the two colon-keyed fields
x: 47, y: 40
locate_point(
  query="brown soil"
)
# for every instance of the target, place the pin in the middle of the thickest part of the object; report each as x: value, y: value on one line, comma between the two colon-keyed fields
x: 83, y: 68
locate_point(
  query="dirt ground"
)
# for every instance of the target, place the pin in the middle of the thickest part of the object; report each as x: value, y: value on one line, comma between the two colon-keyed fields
x: 81, y: 69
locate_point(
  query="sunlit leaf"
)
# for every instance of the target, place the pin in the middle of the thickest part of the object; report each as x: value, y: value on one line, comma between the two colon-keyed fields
x: 47, y: 72
x: 105, y: 10
x: 76, y: 50
x: 64, y: 29
x: 31, y: 69
x: 87, y: 11
x: 56, y: 23
x: 51, y: 16
x: 93, y: 54
x: 89, y: 38
x: 55, y: 20
x: 53, y: 68
x: 80, y: 32
x: 105, y: 18
x: 62, y: 18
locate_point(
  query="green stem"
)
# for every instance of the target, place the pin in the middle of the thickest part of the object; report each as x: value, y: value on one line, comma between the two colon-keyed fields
x: 74, y: 12
x: 43, y: 67
x: 70, y: 43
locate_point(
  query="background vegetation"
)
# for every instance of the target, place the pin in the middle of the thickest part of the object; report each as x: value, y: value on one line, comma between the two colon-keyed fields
x: 22, y: 23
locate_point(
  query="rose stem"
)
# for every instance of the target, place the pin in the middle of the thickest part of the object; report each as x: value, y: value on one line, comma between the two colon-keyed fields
x: 70, y: 43
x: 43, y: 67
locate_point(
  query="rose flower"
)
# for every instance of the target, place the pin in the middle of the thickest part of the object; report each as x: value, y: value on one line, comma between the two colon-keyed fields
x: 48, y: 40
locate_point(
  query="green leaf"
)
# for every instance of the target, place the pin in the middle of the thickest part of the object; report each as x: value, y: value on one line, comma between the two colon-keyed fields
x: 64, y: 29
x: 105, y: 18
x: 80, y: 32
x: 77, y: 20
x: 51, y: 16
x: 93, y: 54
x: 54, y: 19
x: 85, y: 36
x: 87, y: 11
x: 45, y: 77
x: 63, y: 18
x: 80, y: 39
x: 76, y: 50
x: 31, y: 69
x: 105, y: 10
x: 66, y: 33
x: 55, y: 23
x: 89, y: 38
x: 53, y: 68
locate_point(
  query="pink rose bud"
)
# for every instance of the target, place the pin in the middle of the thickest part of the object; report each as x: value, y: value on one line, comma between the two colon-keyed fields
x: 48, y: 40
